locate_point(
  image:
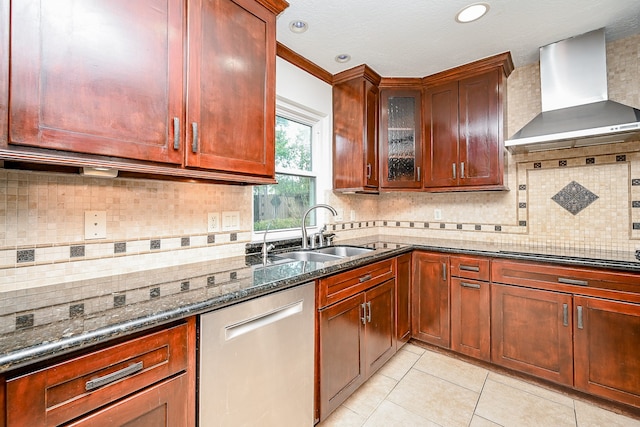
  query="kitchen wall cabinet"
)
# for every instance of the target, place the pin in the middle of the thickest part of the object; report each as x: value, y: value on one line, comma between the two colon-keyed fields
x: 430, y: 298
x: 464, y: 126
x: 103, y: 84
x: 355, y: 130
x: 357, y: 334
x: 147, y: 380
x: 403, y: 298
x: 470, y: 306
x: 400, y: 139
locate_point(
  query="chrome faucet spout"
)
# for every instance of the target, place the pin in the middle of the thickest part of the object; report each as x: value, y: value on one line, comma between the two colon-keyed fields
x: 305, y: 239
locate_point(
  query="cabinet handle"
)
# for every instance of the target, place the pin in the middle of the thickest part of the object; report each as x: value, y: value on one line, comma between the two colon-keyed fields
x: 368, y: 170
x: 470, y: 285
x: 573, y: 281
x: 364, y: 313
x: 418, y: 174
x: 461, y: 170
x: 453, y: 165
x: 469, y: 268
x: 176, y: 133
x: 580, y: 324
x: 365, y: 278
x: 112, y: 377
x: 369, y: 315
x: 565, y: 314
x: 444, y: 271
x: 194, y: 142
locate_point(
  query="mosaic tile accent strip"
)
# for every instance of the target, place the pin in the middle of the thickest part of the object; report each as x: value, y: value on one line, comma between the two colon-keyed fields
x: 426, y: 225
x: 411, y: 224
x: 119, y: 300
x: 76, y: 310
x: 635, y: 204
x: 498, y: 228
x: 211, y: 238
x: 537, y: 165
x: 26, y: 255
x: 621, y: 158
x: 562, y: 163
x: 211, y: 280
x: 636, y: 225
x: 574, y: 197
x: 478, y: 227
x: 185, y: 241
x: 443, y: 225
x: 635, y: 182
x: 184, y: 286
x: 120, y: 247
x: 591, y: 161
x: 76, y: 251
x: 522, y: 187
x: 233, y: 275
x: 234, y: 236
x: 24, y: 321
x: 154, y: 292
x: 458, y: 226
x: 522, y: 205
x: 522, y: 223
x: 154, y: 244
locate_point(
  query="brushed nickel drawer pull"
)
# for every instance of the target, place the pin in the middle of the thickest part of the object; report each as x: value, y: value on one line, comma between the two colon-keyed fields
x: 580, y: 324
x: 453, y: 166
x: 176, y: 133
x: 565, y: 314
x: 461, y: 170
x: 444, y: 271
x: 572, y: 281
x: 470, y: 285
x: 418, y: 174
x: 365, y: 278
x: 369, y: 315
x: 194, y: 143
x: 364, y: 313
x: 114, y: 376
x: 368, y: 170
x: 469, y: 268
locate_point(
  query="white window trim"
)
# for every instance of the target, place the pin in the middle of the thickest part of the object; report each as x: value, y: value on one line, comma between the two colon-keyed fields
x: 319, y: 131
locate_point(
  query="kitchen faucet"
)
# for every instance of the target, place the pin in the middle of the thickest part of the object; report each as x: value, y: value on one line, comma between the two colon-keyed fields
x: 305, y: 240
x: 266, y: 248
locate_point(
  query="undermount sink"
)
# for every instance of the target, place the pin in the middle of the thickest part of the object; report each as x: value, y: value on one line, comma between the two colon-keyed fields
x: 326, y: 254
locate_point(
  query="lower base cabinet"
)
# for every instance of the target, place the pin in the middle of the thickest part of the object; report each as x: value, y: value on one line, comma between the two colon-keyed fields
x: 470, y: 318
x: 357, y: 334
x: 607, y: 349
x: 430, y: 298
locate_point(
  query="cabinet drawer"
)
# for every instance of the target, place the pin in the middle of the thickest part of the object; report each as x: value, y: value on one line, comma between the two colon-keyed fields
x: 470, y: 267
x: 341, y: 286
x: 72, y: 388
x: 567, y: 279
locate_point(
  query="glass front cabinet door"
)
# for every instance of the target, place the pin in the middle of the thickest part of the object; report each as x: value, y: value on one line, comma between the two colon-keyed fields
x: 400, y: 139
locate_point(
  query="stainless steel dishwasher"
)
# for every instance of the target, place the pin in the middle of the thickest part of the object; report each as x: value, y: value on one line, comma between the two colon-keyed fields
x: 256, y: 361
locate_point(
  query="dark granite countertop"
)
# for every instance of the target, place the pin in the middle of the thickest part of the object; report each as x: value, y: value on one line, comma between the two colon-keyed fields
x: 45, y: 322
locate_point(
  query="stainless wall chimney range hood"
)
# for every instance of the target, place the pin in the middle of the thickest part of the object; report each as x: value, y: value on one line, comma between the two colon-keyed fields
x: 576, y: 111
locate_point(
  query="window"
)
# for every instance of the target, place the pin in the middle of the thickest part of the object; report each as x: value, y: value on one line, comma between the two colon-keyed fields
x: 281, y: 206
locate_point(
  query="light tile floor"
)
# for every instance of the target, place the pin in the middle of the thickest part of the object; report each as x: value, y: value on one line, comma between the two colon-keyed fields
x: 418, y: 387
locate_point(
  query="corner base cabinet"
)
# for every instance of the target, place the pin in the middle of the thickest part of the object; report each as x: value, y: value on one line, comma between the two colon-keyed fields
x: 356, y: 333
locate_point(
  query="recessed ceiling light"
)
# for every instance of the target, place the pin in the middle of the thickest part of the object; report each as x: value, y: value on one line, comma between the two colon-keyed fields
x: 343, y: 57
x: 298, y: 26
x: 472, y: 12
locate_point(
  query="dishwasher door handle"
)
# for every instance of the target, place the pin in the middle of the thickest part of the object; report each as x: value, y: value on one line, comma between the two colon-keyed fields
x: 249, y: 325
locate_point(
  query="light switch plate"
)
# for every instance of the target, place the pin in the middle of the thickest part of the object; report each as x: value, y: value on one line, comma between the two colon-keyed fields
x: 95, y: 225
x: 230, y: 220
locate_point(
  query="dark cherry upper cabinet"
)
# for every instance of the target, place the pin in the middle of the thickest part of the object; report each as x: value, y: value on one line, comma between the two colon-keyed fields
x: 355, y: 130
x: 4, y: 72
x: 464, y: 126
x: 531, y: 332
x: 400, y: 139
x: 101, y: 77
x: 183, y: 89
x: 606, y: 341
x: 230, y: 112
x: 430, y: 298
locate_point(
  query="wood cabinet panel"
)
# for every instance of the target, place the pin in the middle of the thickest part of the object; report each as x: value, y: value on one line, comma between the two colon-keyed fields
x: 471, y: 267
x: 403, y: 298
x: 230, y: 115
x: 101, y: 77
x: 355, y: 130
x: 531, y: 332
x: 380, y: 327
x: 342, y: 348
x: 158, y: 406
x: 4, y: 72
x: 606, y: 340
x: 430, y: 298
x: 441, y: 122
x: 470, y: 318
x: 57, y: 394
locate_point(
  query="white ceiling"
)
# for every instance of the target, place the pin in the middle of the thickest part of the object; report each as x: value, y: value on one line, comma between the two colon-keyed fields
x: 416, y: 38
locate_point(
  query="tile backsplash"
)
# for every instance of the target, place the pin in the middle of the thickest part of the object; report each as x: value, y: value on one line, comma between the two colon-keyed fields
x: 157, y: 223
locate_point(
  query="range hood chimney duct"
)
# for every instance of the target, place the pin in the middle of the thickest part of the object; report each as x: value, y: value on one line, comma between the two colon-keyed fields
x: 576, y: 111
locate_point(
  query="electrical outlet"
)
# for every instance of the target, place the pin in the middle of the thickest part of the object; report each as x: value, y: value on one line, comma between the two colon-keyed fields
x: 95, y: 225
x: 437, y: 214
x: 213, y: 222
x: 230, y: 220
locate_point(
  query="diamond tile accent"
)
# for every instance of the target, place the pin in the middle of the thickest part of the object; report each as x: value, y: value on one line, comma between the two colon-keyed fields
x: 574, y: 197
